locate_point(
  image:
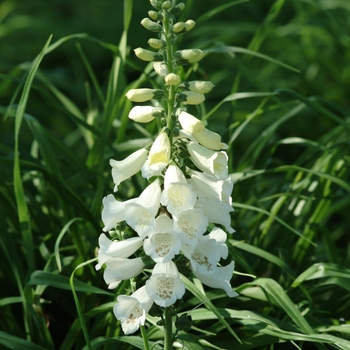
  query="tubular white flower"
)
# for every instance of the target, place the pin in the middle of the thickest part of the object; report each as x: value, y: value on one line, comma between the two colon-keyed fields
x: 190, y: 123
x: 177, y: 195
x: 190, y: 55
x: 123, y: 169
x: 209, y: 139
x: 216, y: 211
x: 190, y: 224
x: 131, y: 310
x: 209, y: 186
x: 163, y: 243
x: 116, y: 249
x: 211, y: 162
x: 161, y: 69
x: 205, y: 256
x: 113, y: 211
x: 140, y: 214
x: 159, y: 154
x: 220, y: 279
x: 147, y: 55
x: 119, y: 269
x: 145, y: 114
x: 143, y: 95
x: 189, y: 97
x: 165, y: 286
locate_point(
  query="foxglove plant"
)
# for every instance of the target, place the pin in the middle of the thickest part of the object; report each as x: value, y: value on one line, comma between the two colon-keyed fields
x: 190, y: 190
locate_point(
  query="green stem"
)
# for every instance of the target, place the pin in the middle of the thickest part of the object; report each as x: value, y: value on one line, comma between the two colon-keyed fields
x: 168, y: 332
x: 144, y: 337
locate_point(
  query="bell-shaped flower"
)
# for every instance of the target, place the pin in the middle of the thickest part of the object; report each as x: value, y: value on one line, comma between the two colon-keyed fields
x: 147, y: 55
x: 143, y: 95
x: 211, y: 162
x: 160, y: 152
x: 190, y: 225
x: 209, y: 139
x: 190, y: 123
x: 145, y: 114
x: 177, y: 195
x: 172, y: 79
x: 116, y: 249
x: 131, y: 310
x: 113, y: 211
x: 189, y: 97
x: 220, y: 237
x: 123, y: 169
x: 161, y: 69
x: 165, y: 286
x: 200, y: 86
x: 190, y: 55
x: 220, y: 279
x: 209, y: 186
x: 119, y: 269
x: 163, y: 243
x: 205, y: 256
x: 140, y: 214
x: 216, y: 211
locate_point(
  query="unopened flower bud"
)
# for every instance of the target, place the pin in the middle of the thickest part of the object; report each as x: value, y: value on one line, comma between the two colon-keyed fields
x: 172, y: 79
x: 145, y: 114
x: 156, y: 43
x: 166, y: 5
x: 151, y: 26
x: 177, y: 9
x: 190, y: 55
x: 190, y: 123
x: 203, y: 87
x: 191, y: 98
x: 157, y: 4
x: 189, y: 24
x: 209, y: 139
x: 178, y: 27
x: 161, y: 69
x: 143, y: 95
x: 147, y: 55
x: 155, y: 15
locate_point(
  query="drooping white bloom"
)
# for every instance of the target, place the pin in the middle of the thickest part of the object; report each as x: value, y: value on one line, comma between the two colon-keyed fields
x: 116, y: 249
x: 209, y: 186
x: 140, y: 214
x: 211, y: 162
x: 119, y: 269
x: 113, y: 211
x: 123, y: 169
x: 160, y: 152
x: 163, y: 243
x: 145, y: 114
x: 177, y: 195
x: 165, y: 286
x: 220, y: 237
x: 220, y: 279
x: 209, y: 139
x: 190, y: 123
x: 190, y: 224
x: 131, y: 310
x: 216, y: 211
x: 205, y: 256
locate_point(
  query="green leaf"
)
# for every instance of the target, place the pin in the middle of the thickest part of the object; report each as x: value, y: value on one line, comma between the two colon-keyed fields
x: 62, y: 282
x: 14, y: 343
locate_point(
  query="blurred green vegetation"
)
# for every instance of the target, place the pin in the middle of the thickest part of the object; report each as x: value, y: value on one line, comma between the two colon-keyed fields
x: 289, y: 154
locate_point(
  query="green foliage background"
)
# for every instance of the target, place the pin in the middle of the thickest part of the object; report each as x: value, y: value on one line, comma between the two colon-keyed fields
x: 282, y: 75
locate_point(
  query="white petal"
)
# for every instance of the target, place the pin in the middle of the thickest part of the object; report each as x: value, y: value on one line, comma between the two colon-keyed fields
x: 122, y: 170
x: 190, y: 224
x: 150, y: 197
x: 220, y: 237
x: 220, y: 279
x: 159, y: 154
x: 165, y: 286
x: 173, y: 174
x: 118, y: 270
x: 116, y: 249
x: 113, y: 211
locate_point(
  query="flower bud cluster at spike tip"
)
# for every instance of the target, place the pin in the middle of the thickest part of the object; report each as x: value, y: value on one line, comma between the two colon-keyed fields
x: 181, y: 219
